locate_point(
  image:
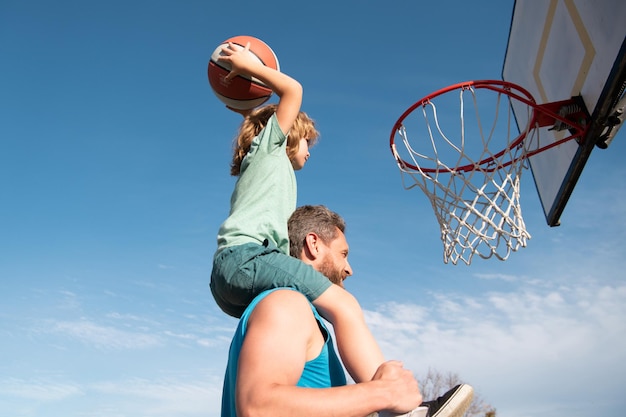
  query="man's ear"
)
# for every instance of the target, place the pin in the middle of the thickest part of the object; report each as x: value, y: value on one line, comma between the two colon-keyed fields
x: 311, y: 244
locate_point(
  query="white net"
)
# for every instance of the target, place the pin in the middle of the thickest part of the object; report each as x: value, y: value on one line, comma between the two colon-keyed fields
x: 469, y: 164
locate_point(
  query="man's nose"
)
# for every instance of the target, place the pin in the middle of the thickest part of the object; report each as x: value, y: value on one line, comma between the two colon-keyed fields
x: 348, y: 269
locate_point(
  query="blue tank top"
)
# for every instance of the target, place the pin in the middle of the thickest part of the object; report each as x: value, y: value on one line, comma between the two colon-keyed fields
x: 324, y: 371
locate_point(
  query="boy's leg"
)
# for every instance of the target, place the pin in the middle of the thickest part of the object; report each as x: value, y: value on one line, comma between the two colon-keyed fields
x: 359, y: 351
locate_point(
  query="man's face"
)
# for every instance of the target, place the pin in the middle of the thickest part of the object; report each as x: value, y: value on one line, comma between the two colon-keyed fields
x: 333, y: 259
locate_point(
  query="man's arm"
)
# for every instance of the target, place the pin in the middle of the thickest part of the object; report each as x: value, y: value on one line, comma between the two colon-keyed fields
x: 282, y: 336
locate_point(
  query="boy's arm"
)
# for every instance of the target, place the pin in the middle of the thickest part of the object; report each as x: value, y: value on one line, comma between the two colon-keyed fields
x: 282, y: 334
x: 286, y: 88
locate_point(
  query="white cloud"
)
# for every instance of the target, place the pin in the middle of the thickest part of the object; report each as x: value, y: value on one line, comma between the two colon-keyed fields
x: 177, y: 395
x: 69, y: 301
x: 180, y: 395
x: 528, y: 341
x: 103, y: 337
x: 132, y: 318
x: 503, y: 277
x: 184, y: 336
x: 217, y: 341
x: 38, y: 389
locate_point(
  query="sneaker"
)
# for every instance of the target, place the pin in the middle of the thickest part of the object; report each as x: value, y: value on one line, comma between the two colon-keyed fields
x: 421, y: 411
x: 453, y: 403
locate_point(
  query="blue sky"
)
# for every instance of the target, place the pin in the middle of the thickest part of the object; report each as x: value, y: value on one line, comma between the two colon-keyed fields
x: 114, y: 179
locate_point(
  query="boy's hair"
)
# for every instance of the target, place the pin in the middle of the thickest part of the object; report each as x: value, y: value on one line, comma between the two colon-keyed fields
x: 313, y: 219
x: 303, y: 127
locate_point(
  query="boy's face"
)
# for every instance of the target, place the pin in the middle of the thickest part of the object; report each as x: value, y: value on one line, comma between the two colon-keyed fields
x: 300, y: 158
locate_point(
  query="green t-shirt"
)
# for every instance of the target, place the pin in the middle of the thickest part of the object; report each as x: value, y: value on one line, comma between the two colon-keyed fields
x: 264, y: 195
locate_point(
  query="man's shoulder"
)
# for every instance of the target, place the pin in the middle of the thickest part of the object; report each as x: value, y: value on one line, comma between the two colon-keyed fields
x: 286, y: 296
x: 282, y: 304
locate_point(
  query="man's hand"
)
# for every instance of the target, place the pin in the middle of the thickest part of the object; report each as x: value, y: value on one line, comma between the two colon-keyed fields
x: 404, y: 393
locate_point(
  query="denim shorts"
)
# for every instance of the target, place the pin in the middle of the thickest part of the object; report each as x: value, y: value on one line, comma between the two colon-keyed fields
x: 242, y: 272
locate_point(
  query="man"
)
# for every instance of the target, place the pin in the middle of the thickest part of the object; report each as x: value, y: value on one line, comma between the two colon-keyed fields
x: 282, y: 360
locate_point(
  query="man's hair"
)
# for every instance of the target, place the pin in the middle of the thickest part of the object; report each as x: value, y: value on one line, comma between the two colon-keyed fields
x: 303, y: 127
x: 312, y: 219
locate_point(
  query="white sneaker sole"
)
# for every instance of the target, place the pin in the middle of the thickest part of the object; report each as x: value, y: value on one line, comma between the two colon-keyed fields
x: 418, y: 412
x: 457, y: 405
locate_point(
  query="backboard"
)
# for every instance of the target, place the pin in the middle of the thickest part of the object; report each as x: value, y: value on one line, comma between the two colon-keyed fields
x: 558, y: 49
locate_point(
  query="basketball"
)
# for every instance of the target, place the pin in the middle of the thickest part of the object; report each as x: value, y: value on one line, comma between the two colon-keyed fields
x: 242, y: 92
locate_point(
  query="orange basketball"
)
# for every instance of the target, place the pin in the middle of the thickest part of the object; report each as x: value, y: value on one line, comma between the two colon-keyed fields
x: 242, y: 92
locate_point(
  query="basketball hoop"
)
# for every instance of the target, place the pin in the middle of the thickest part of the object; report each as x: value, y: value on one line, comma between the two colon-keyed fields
x: 469, y: 163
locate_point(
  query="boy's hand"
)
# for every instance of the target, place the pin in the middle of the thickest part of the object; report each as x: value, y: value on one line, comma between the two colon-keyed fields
x: 240, y: 59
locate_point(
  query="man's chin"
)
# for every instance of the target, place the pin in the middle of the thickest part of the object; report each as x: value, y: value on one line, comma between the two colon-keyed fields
x: 327, y: 268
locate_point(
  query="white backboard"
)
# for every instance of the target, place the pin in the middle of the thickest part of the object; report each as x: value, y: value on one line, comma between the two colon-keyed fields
x: 558, y: 49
